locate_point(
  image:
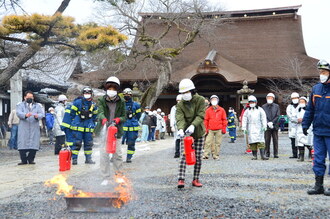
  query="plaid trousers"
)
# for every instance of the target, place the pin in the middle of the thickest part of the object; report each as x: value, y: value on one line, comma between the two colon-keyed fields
x: 198, y: 146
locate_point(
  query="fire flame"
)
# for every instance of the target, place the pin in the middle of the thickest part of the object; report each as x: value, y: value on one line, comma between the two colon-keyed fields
x: 123, y: 191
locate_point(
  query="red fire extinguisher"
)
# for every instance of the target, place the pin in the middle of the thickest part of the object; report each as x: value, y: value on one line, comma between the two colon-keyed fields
x: 111, y: 139
x: 189, y: 151
x: 65, y: 159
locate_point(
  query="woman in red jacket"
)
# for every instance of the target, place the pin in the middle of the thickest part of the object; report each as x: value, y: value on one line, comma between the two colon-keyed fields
x: 215, y: 124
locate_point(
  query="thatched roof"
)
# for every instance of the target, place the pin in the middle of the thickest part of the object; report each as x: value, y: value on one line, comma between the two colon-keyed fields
x: 251, y: 44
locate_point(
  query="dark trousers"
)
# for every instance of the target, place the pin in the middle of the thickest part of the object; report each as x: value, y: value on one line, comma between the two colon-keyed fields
x: 131, y: 137
x: 294, y: 148
x: 27, y: 155
x: 59, y: 143
x: 269, y: 134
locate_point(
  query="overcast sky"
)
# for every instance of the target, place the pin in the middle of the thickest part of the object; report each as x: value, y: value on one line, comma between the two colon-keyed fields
x: 315, y: 16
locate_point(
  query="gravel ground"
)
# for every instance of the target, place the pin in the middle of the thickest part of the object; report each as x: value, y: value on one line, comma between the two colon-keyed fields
x: 234, y: 187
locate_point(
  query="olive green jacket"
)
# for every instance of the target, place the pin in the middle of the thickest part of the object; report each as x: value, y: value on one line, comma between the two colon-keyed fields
x: 191, y: 113
x: 103, y: 112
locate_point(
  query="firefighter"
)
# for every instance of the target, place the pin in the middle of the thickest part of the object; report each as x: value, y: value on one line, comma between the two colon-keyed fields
x: 318, y: 113
x: 190, y: 114
x: 83, y: 114
x: 231, y: 125
x: 131, y: 126
x: 254, y: 124
x: 111, y: 112
x: 291, y: 112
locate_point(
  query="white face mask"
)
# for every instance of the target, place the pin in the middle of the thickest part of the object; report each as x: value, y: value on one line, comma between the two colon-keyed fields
x: 230, y: 111
x: 214, y: 102
x: 252, y: 105
x: 295, y: 101
x: 187, y: 96
x: 270, y: 101
x: 323, y: 78
x: 302, y: 105
x: 87, y: 96
x: 111, y: 93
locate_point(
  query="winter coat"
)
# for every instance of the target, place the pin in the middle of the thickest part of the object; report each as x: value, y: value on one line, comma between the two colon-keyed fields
x: 145, y: 119
x: 302, y: 139
x: 318, y: 110
x: 104, y: 113
x: 172, y: 118
x: 272, y: 113
x: 255, y: 122
x: 153, y: 121
x: 291, y: 112
x: 50, y: 121
x: 59, y: 115
x: 231, y: 120
x: 162, y: 125
x: 215, y: 119
x: 191, y: 113
x: 159, y: 122
x: 28, y: 128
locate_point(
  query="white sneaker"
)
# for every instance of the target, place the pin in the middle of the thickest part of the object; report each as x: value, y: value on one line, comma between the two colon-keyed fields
x: 105, y: 182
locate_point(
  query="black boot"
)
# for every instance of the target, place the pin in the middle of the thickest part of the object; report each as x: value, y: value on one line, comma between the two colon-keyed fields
x: 318, y: 188
x: 294, y: 148
x: 301, y: 154
x: 89, y: 161
x: 74, y: 161
x: 262, y: 154
x: 255, y: 155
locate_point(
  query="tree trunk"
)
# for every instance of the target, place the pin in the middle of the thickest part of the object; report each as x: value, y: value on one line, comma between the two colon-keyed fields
x: 24, y: 56
x: 151, y: 95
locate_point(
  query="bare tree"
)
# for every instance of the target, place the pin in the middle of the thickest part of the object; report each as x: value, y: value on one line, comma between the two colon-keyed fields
x: 284, y: 86
x: 154, y: 49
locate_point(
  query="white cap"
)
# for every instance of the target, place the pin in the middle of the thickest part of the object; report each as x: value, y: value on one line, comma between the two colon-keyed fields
x: 159, y: 110
x: 113, y: 79
x: 252, y: 98
x: 303, y: 98
x: 179, y: 97
x: 62, y: 97
x: 162, y: 114
x: 271, y: 95
x: 294, y: 95
x: 50, y: 108
x: 214, y: 96
x: 186, y: 85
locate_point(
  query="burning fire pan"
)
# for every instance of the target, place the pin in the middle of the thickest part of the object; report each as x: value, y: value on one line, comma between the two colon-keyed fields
x: 93, y: 203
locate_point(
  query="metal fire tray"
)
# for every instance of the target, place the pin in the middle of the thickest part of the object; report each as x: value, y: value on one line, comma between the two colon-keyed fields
x: 92, y: 204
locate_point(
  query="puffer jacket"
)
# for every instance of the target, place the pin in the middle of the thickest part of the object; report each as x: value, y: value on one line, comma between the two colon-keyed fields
x: 215, y: 119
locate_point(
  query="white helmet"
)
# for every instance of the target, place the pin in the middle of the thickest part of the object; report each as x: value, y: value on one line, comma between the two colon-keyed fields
x: 159, y: 110
x: 303, y: 98
x: 271, y: 95
x: 294, y: 95
x: 127, y: 91
x: 62, y: 97
x: 50, y: 108
x: 186, y: 85
x: 179, y: 97
x: 113, y: 79
x: 252, y: 98
x: 162, y: 114
x: 214, y: 96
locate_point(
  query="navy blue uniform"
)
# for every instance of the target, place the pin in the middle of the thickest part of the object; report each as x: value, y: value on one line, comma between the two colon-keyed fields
x: 318, y: 113
x: 231, y: 126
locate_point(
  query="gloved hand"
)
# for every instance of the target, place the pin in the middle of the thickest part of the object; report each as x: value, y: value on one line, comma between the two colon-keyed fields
x: 305, y: 131
x: 116, y: 120
x: 180, y: 133
x: 223, y: 131
x: 270, y: 125
x: 104, y: 121
x: 190, y: 129
x: 173, y: 129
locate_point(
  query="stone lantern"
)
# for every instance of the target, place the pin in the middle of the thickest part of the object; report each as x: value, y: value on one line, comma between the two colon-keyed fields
x: 136, y: 93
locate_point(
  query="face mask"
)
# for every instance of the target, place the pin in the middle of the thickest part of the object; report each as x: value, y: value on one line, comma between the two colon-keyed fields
x: 270, y: 101
x: 52, y: 112
x: 230, y: 111
x: 87, y: 96
x: 186, y: 96
x: 295, y: 101
x: 252, y: 105
x: 111, y: 93
x: 302, y: 105
x: 214, y: 102
x: 29, y: 100
x: 127, y: 98
x: 323, y: 78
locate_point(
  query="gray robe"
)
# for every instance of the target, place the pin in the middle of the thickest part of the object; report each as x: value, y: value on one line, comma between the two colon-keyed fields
x: 28, y: 128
